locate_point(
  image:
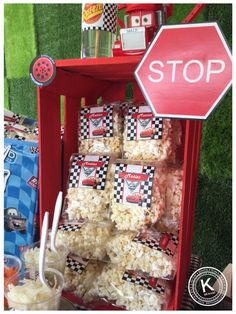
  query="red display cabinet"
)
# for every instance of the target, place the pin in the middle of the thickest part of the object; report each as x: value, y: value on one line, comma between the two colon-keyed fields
x: 106, y: 77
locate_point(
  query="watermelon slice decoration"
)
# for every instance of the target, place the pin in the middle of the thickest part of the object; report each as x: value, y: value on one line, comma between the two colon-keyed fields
x: 42, y: 70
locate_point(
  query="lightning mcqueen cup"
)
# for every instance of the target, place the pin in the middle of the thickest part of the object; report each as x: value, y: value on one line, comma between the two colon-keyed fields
x: 139, y: 194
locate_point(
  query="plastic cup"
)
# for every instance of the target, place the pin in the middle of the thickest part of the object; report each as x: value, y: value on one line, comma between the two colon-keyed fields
x: 12, y: 266
x: 35, y: 299
x: 56, y: 261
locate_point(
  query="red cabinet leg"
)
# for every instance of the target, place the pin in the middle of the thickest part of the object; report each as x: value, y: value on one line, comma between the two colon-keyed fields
x: 50, y: 172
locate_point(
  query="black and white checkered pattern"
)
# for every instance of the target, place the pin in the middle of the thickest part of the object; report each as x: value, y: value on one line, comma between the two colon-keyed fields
x: 101, y: 172
x: 36, y: 131
x: 107, y: 121
x: 157, y: 123
x: 34, y: 149
x: 131, y: 124
x: 74, y: 170
x: 154, y: 243
x: 19, y: 138
x: 119, y: 183
x: 75, y: 265
x: 17, y: 117
x: 70, y: 227
x: 146, y: 187
x: 109, y: 19
x: 142, y: 281
x: 84, y: 124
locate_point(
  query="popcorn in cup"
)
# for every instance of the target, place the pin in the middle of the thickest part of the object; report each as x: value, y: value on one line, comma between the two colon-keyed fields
x: 57, y: 260
x: 26, y: 292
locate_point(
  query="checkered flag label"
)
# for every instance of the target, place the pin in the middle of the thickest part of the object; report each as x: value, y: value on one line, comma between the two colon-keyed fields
x: 98, y: 16
x: 142, y: 125
x: 96, y: 122
x: 67, y: 226
x: 34, y: 149
x: 88, y: 171
x: 76, y: 263
x: 161, y: 241
x: 133, y: 184
x: 141, y: 279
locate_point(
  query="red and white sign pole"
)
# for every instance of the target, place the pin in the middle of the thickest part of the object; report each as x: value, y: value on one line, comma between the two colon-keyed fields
x: 186, y: 70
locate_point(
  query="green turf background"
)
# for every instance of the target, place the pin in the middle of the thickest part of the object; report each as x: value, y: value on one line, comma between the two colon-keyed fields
x: 54, y: 29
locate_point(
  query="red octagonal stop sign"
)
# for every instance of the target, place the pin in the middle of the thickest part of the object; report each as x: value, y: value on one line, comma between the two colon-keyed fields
x: 186, y: 70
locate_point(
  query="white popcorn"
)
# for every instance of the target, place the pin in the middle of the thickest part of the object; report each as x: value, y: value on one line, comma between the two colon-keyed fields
x: 56, y: 260
x: 89, y: 241
x: 155, y: 149
x: 130, y: 254
x: 134, y: 217
x: 106, y: 145
x: 110, y: 285
x: 92, y: 204
x: 170, y: 220
x: 80, y: 283
x: 33, y: 295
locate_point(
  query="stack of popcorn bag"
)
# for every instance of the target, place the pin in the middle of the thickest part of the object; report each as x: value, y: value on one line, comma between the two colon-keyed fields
x: 122, y: 208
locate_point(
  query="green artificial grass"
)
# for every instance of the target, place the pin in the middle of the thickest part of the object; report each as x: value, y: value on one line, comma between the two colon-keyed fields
x: 182, y: 10
x: 6, y: 95
x: 216, y: 146
x: 23, y: 97
x: 19, y: 44
x: 213, y: 222
x: 58, y: 29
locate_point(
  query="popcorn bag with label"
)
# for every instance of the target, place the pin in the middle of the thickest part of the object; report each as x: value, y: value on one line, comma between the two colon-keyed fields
x: 150, y: 138
x: 85, y: 239
x: 80, y: 274
x: 101, y: 130
x: 150, y: 251
x: 139, y: 194
x: 131, y: 289
x: 90, y: 187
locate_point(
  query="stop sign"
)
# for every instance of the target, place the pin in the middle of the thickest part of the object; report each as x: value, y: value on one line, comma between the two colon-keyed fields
x: 186, y: 70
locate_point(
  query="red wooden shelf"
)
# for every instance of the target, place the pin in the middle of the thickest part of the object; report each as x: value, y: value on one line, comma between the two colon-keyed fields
x: 112, y: 69
x: 106, y: 77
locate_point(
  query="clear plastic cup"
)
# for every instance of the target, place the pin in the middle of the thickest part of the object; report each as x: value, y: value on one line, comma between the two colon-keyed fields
x: 24, y: 291
x: 30, y: 257
x: 12, y: 266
